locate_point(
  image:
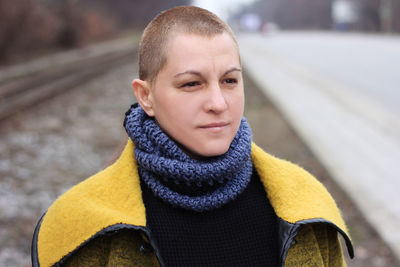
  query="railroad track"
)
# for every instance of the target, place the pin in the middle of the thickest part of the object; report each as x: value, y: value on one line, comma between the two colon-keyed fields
x: 25, y: 91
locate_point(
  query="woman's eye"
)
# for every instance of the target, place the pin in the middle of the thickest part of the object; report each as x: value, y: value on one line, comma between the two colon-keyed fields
x: 230, y: 81
x: 191, y: 84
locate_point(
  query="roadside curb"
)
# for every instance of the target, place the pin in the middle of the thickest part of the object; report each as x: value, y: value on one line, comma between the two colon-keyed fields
x: 357, y: 148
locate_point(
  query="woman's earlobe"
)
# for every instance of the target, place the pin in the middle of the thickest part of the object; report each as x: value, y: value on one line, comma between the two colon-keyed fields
x: 143, y: 95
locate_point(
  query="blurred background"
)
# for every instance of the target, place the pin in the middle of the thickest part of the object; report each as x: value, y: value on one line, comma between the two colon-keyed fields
x: 322, y: 90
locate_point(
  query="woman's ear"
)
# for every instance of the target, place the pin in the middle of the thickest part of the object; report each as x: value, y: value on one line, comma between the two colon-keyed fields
x: 143, y: 95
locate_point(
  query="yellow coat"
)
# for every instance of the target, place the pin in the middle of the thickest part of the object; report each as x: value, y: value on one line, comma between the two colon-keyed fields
x: 77, y: 228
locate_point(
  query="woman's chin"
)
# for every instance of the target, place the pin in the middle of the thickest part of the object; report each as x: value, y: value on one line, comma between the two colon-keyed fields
x: 205, y: 152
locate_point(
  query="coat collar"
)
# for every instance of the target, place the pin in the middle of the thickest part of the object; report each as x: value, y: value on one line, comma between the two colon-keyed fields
x: 293, y: 192
x: 113, y: 196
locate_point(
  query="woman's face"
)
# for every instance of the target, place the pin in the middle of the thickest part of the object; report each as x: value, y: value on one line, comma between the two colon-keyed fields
x: 198, y: 96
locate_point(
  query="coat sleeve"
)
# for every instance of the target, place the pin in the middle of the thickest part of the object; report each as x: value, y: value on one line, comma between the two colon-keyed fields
x: 329, y: 245
x: 316, y: 245
x: 121, y: 249
x: 93, y: 254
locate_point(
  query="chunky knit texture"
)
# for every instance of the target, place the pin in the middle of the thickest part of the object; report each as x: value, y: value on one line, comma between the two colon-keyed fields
x: 178, y: 179
x: 243, y: 232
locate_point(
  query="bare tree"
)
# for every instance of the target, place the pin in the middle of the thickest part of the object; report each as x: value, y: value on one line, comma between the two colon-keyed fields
x: 27, y: 26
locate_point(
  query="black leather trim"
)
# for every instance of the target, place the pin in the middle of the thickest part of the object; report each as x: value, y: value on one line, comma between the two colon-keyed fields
x: 288, y: 231
x: 112, y: 229
x: 34, y: 249
x: 346, y: 238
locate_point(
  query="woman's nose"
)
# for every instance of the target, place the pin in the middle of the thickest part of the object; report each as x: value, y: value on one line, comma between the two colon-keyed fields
x: 216, y: 101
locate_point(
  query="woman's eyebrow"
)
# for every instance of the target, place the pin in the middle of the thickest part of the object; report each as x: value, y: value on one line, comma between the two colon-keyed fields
x: 231, y: 70
x: 197, y: 73
x: 193, y: 72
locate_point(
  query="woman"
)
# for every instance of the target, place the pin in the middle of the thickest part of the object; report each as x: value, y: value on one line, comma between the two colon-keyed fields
x: 190, y: 187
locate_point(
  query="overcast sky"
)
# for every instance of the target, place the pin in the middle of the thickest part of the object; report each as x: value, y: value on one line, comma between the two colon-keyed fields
x: 221, y: 7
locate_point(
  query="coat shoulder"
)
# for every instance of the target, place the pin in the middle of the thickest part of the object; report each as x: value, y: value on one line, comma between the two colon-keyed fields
x: 294, y: 193
x: 110, y: 197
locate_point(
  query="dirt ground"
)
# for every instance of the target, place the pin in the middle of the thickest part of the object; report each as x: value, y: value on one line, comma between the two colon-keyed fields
x: 47, y: 149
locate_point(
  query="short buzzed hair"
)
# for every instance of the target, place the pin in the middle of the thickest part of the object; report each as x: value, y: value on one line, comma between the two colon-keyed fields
x: 182, y: 19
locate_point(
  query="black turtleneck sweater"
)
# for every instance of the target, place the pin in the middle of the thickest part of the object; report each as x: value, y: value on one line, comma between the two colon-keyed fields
x: 241, y: 233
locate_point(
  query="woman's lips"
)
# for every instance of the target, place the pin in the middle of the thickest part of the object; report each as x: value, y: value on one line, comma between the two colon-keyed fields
x: 214, y: 126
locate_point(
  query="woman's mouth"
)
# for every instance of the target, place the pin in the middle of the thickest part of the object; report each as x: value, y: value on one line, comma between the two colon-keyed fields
x: 214, y: 126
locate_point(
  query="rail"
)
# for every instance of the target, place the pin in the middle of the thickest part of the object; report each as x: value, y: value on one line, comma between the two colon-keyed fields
x: 23, y: 87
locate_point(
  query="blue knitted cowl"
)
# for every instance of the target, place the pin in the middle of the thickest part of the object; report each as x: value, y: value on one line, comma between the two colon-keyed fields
x: 178, y: 179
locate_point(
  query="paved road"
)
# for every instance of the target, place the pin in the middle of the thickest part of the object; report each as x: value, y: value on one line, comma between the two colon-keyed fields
x: 366, y: 64
x: 340, y: 92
